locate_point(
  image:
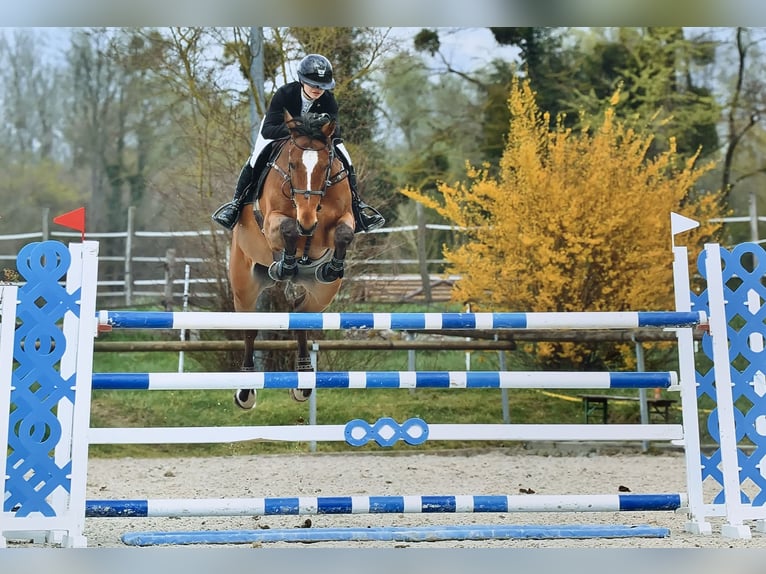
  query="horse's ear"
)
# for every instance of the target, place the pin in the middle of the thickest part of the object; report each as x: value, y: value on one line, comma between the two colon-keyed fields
x: 289, y: 120
x: 329, y: 128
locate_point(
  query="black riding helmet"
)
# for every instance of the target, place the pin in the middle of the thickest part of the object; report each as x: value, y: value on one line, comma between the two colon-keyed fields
x: 316, y: 70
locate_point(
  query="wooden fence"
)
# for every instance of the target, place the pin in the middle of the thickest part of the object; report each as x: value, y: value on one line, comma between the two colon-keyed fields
x: 167, y: 278
x: 171, y: 277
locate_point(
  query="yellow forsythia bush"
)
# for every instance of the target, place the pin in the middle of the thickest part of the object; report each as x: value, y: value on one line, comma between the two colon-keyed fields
x: 575, y: 220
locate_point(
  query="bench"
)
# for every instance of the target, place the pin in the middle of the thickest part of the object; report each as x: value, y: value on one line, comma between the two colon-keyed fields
x: 595, y: 404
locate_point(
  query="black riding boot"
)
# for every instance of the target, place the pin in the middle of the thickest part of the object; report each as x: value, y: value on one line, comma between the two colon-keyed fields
x: 366, y: 217
x: 228, y: 214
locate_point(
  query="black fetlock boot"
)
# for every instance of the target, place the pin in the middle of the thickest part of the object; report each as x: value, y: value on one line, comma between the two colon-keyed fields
x: 366, y: 217
x: 228, y: 214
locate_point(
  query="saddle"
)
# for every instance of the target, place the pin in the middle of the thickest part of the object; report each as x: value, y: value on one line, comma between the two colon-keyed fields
x: 267, y: 157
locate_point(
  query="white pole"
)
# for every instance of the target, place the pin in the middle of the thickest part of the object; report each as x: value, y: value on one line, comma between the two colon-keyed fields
x: 468, y: 353
x: 727, y: 433
x: 128, y: 272
x: 8, y: 298
x: 185, y: 307
x: 643, y: 405
x: 504, y: 392
x: 410, y: 356
x: 313, y: 398
x: 81, y: 370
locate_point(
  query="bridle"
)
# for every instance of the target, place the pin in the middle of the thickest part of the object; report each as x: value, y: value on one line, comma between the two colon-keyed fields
x: 328, y: 181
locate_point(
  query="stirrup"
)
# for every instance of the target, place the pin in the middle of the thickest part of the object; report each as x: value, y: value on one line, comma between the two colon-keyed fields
x: 366, y: 216
x: 369, y: 218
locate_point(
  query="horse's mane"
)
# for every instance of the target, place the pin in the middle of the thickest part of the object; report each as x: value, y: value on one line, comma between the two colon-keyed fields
x: 310, y: 125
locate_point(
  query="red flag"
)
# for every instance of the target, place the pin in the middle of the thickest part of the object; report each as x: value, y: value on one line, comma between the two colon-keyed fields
x: 74, y: 219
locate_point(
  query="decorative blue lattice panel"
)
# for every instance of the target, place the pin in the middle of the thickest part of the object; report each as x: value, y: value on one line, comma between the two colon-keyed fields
x: 744, y: 268
x: 386, y: 432
x: 39, y: 343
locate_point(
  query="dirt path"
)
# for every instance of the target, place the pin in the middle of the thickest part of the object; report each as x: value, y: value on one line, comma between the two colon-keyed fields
x: 495, y: 472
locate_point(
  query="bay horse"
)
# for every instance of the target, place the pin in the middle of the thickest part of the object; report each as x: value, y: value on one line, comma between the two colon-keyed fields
x: 298, y: 231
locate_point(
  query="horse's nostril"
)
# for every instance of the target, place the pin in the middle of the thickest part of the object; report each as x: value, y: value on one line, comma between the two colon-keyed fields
x: 306, y: 231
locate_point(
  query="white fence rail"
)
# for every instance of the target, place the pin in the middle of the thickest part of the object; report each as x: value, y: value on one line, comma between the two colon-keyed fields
x: 162, y: 277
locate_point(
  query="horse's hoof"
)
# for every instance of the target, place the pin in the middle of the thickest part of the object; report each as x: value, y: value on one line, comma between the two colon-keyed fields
x: 300, y: 395
x: 327, y: 274
x: 274, y: 271
x: 245, y: 399
x: 278, y: 272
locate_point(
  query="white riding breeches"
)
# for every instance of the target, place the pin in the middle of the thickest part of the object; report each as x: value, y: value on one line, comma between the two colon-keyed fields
x: 341, y: 147
x: 260, y: 144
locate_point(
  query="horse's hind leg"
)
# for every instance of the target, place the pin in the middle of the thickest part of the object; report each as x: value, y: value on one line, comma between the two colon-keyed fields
x: 303, y: 364
x: 249, y: 299
x: 245, y: 398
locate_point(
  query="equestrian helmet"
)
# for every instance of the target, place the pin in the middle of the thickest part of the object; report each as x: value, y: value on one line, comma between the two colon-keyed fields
x: 316, y: 70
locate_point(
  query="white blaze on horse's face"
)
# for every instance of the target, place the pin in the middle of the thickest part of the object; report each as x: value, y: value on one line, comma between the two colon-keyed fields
x: 309, y: 176
x: 310, y: 160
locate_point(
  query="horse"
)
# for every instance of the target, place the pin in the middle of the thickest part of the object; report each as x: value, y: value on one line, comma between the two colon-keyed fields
x: 298, y: 231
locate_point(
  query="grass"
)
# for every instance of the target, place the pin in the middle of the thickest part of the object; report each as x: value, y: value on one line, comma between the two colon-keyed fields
x: 334, y: 406
x: 275, y: 407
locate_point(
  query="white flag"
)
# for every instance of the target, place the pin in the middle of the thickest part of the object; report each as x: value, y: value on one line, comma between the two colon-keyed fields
x: 679, y: 223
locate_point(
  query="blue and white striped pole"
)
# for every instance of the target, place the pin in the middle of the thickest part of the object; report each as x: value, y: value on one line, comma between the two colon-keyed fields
x: 417, y: 504
x: 396, y: 321
x: 385, y: 380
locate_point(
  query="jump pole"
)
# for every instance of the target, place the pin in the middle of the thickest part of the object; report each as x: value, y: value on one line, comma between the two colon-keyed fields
x: 385, y: 380
x: 361, y: 433
x: 108, y: 320
x: 411, y: 504
x: 394, y: 534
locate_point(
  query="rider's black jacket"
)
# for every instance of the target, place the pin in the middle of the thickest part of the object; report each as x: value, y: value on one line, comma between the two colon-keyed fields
x: 288, y: 97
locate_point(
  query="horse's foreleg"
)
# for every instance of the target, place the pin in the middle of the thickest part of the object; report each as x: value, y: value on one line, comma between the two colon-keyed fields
x: 287, y: 266
x: 245, y: 398
x: 333, y: 269
x: 304, y: 364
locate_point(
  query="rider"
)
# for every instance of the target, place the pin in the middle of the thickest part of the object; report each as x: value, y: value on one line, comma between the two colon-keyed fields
x: 311, y: 93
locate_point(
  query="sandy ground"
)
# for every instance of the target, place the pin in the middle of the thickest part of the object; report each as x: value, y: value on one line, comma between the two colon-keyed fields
x: 486, y: 472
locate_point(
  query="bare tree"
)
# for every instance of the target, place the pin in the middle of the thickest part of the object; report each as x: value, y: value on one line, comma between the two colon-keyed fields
x: 29, y: 97
x: 744, y: 136
x: 32, y: 146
